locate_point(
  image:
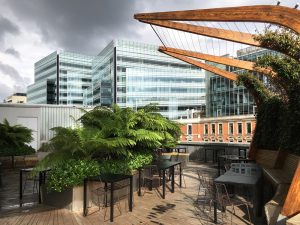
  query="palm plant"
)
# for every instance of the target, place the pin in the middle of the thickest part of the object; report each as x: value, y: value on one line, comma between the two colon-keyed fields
x: 14, y: 140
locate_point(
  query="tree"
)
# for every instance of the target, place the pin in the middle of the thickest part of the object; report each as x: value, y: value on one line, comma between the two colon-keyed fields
x: 14, y: 140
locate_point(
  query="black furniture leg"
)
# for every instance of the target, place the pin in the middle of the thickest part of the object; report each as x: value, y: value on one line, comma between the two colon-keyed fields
x: 130, y: 195
x: 151, y: 185
x: 112, y: 202
x: 164, y: 184
x: 40, y: 184
x: 219, y: 167
x: 215, y: 205
x: 173, y: 179
x: 105, y: 189
x: 180, y: 175
x: 84, y: 197
x: 21, y: 187
x: 140, y: 177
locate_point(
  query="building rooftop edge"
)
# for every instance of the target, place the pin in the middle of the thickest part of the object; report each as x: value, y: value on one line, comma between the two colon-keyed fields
x: 25, y: 105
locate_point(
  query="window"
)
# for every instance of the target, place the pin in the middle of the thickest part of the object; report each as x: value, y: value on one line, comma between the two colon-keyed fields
x: 249, y: 128
x: 240, y: 128
x: 205, y: 129
x: 189, y: 129
x: 220, y: 128
x: 213, y: 128
x: 230, y: 128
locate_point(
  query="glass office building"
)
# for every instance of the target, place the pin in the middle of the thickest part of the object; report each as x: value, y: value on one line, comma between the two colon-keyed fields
x: 61, y: 78
x: 224, y: 97
x: 132, y: 74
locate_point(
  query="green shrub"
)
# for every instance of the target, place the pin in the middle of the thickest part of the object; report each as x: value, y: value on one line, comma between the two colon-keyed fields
x: 16, y: 151
x: 71, y: 173
x: 126, y: 165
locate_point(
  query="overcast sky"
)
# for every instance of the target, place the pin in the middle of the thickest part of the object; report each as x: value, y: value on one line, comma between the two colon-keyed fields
x: 32, y: 29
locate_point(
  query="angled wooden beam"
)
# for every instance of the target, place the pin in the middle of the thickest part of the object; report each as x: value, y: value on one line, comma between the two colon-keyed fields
x: 280, y: 15
x: 210, y: 68
x: 228, y: 35
x: 291, y: 205
x: 219, y: 59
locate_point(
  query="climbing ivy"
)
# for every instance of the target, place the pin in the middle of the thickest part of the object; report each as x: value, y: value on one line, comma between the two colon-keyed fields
x: 278, y: 114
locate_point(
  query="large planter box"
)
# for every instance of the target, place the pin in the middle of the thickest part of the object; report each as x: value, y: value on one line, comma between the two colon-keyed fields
x: 72, y: 198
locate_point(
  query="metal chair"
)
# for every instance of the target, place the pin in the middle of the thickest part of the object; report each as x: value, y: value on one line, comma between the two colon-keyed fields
x: 103, y: 192
x: 205, y: 190
x: 224, y: 200
x: 150, y: 174
x: 123, y: 189
x: 35, y: 179
x: 205, y: 197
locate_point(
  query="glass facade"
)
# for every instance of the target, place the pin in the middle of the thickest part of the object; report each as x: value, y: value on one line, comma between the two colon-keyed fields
x: 61, y: 78
x: 224, y: 97
x: 133, y: 74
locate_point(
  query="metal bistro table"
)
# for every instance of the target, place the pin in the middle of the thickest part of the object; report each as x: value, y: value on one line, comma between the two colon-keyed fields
x: 42, y: 179
x: 232, y: 159
x: 163, y: 166
x: 254, y: 182
x: 108, y: 179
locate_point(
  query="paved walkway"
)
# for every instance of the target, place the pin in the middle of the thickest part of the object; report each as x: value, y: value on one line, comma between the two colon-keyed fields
x: 178, y: 208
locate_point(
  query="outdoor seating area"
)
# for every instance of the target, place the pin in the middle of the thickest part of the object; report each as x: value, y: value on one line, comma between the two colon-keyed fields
x: 230, y: 191
x: 185, y: 204
x: 129, y: 159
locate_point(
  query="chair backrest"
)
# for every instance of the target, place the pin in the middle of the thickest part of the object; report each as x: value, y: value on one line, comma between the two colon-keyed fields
x: 150, y: 170
x: 206, y: 182
x: 227, y: 167
x: 249, y: 169
x: 182, y: 159
x: 165, y: 157
x: 223, y: 198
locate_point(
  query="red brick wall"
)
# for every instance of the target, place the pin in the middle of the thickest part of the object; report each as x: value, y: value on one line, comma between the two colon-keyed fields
x: 198, y: 130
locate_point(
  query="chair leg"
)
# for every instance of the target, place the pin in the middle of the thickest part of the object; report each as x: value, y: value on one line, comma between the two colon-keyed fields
x: 232, y: 215
x: 24, y: 185
x: 249, y: 214
x: 35, y: 185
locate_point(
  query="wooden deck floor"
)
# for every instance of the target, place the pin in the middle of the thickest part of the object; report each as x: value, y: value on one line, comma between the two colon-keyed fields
x: 178, y: 208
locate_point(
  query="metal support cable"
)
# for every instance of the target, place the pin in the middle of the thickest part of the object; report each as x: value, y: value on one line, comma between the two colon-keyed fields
x: 158, y: 36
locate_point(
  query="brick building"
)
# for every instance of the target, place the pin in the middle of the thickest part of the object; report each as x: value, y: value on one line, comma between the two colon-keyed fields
x: 218, y: 129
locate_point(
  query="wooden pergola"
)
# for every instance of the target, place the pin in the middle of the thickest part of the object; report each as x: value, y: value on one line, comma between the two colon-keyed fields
x: 277, y: 15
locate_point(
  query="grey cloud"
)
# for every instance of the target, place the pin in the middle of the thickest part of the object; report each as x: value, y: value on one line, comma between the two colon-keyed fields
x: 20, y: 83
x: 10, y: 71
x: 84, y: 26
x: 12, y: 51
x: 6, y: 26
x: 5, y: 91
x: 87, y: 26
